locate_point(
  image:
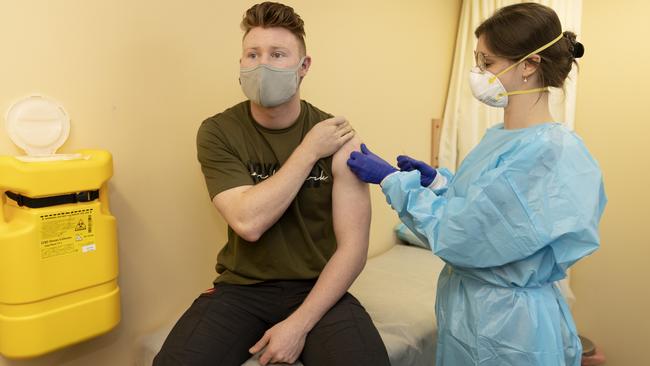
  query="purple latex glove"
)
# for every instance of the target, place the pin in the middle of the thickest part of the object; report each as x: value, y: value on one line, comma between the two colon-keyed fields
x: 427, y: 172
x: 369, y: 167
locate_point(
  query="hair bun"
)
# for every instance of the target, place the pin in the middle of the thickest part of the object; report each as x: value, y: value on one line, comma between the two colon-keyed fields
x: 578, y: 50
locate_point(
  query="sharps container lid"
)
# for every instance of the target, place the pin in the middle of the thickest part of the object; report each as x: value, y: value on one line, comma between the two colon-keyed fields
x: 37, y: 125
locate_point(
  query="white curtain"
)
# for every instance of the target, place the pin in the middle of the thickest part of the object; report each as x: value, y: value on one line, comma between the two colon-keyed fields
x: 466, y: 119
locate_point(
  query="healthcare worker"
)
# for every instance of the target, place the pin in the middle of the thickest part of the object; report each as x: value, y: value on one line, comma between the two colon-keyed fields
x: 522, y: 208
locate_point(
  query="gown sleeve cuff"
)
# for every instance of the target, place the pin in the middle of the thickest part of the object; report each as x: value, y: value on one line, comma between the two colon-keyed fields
x: 439, y: 181
x: 387, y: 178
x: 396, y: 187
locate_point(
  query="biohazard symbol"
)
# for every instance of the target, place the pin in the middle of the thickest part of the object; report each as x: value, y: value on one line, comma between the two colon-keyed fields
x: 80, y: 226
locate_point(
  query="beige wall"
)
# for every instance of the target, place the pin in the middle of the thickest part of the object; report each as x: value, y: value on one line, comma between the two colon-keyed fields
x: 137, y: 78
x: 613, y: 116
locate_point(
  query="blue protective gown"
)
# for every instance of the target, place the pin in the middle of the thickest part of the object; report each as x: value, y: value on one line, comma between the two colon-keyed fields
x: 523, y: 207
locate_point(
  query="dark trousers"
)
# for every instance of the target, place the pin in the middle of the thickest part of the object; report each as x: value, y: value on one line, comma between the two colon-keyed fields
x: 223, y: 323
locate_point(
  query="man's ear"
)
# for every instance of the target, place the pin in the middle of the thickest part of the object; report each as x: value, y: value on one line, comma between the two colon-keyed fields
x: 306, y: 63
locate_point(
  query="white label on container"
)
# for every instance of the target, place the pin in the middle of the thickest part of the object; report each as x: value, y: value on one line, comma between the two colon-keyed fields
x: 88, y: 248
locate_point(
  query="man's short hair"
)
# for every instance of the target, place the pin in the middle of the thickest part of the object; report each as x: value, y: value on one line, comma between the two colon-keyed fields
x: 270, y: 14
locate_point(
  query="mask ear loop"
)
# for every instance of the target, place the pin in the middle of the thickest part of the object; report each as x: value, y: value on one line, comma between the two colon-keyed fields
x: 301, y: 63
x: 494, y: 78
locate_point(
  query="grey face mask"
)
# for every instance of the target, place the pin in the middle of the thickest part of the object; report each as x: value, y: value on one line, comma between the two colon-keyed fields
x: 270, y: 86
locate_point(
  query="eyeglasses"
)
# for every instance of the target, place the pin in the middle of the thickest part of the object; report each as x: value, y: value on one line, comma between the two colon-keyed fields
x: 479, y: 59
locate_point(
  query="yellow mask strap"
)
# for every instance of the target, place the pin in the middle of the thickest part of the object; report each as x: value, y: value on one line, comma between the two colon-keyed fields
x: 492, y: 79
x: 517, y: 92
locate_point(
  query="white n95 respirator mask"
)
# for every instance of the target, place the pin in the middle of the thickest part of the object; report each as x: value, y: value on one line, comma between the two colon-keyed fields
x: 487, y: 87
x: 270, y: 86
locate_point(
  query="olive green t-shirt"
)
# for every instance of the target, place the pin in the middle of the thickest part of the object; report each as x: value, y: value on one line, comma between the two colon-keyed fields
x: 234, y: 150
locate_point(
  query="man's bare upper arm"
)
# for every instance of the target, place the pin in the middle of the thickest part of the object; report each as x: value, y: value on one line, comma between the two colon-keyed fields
x: 350, y: 200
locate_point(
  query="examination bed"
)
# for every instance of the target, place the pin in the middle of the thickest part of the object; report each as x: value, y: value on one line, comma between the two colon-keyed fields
x: 397, y: 288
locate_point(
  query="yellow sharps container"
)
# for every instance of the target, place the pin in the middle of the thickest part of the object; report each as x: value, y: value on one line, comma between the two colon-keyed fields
x: 58, y: 248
